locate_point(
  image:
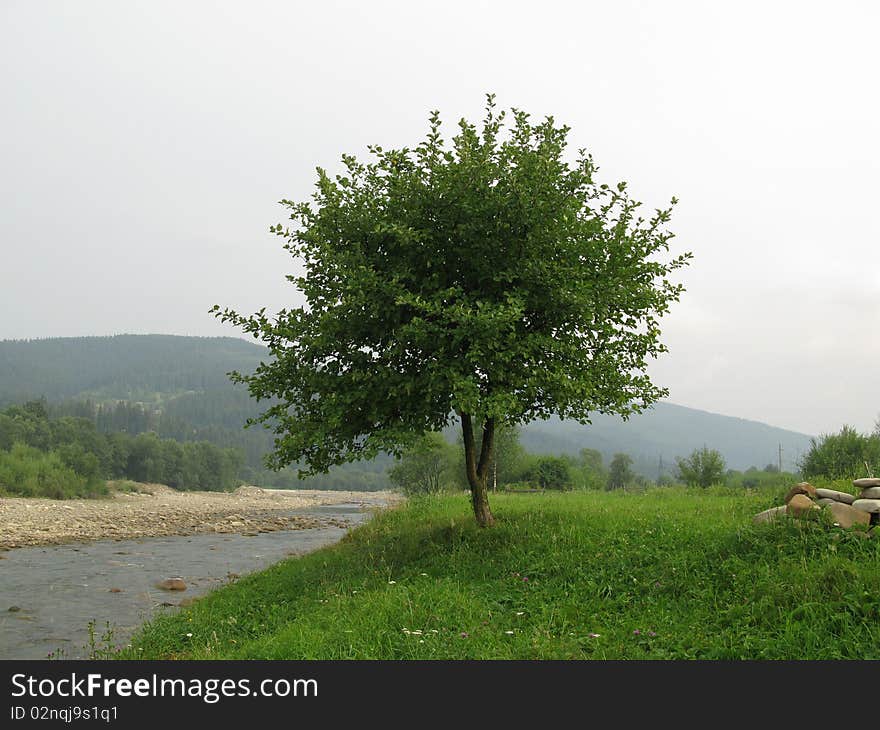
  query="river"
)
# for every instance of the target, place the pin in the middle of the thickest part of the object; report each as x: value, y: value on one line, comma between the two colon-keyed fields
x: 49, y: 595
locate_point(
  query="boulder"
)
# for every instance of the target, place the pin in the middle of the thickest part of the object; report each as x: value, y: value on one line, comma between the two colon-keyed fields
x: 172, y: 584
x: 825, y: 501
x: 866, y: 483
x: 803, y: 488
x: 768, y: 515
x: 847, y: 516
x: 870, y: 493
x: 844, y: 497
x: 800, y: 505
x: 867, y: 505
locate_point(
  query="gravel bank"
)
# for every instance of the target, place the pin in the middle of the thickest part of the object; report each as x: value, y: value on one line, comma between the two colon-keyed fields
x: 156, y: 511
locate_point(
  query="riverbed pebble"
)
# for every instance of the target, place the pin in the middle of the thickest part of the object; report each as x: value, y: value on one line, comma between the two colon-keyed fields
x: 157, y: 511
x: 172, y: 584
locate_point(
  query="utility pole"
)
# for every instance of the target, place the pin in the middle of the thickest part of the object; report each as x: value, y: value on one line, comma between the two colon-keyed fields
x: 660, y: 470
x: 780, y: 457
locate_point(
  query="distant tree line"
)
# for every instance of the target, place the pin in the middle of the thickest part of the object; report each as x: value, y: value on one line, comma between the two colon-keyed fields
x: 67, y: 456
x: 218, y: 416
x: 433, y: 464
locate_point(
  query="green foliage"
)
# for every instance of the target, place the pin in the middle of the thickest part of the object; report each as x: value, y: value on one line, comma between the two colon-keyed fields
x: 69, y: 457
x: 620, y: 473
x: 590, y: 472
x: 703, y: 468
x: 674, y: 573
x: 29, y: 472
x: 842, y: 455
x: 551, y: 472
x: 489, y: 277
x: 507, y: 455
x: 753, y: 479
x: 425, y: 467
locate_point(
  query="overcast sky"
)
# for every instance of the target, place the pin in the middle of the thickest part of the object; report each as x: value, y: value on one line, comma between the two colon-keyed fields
x: 144, y: 147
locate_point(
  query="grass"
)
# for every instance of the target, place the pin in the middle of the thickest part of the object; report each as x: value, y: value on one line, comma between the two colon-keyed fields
x: 668, y: 574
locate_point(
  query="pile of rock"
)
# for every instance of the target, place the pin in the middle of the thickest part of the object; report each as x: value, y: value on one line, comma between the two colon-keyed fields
x: 804, y: 500
x: 869, y: 499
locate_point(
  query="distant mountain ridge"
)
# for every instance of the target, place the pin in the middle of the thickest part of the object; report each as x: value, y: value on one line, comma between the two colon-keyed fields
x: 654, y: 438
x: 187, y: 378
x: 120, y: 367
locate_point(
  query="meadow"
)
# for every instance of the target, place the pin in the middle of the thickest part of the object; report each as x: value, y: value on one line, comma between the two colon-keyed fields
x: 672, y: 573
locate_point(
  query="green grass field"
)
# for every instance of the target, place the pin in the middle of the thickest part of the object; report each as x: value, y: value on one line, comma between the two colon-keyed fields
x: 669, y: 574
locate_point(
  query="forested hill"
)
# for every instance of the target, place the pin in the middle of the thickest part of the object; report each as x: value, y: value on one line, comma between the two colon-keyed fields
x: 120, y: 367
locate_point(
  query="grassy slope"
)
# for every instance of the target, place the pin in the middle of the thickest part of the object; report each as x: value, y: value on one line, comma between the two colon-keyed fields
x: 668, y: 574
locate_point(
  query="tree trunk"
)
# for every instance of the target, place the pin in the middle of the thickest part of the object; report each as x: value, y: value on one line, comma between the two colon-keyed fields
x: 478, y: 469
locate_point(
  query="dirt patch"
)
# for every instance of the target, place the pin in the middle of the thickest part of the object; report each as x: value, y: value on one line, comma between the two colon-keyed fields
x: 154, y: 510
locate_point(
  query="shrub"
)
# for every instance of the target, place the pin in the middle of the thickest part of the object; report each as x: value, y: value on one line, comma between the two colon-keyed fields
x: 29, y: 472
x: 842, y: 455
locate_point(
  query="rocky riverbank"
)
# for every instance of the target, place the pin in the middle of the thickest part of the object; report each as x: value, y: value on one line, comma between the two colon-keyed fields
x: 154, y: 510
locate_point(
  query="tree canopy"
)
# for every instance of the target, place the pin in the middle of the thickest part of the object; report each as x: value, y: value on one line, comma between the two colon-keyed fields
x: 489, y: 279
x: 703, y: 468
x: 620, y: 472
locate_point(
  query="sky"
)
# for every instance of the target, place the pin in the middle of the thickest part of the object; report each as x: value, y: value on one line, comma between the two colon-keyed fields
x: 144, y: 147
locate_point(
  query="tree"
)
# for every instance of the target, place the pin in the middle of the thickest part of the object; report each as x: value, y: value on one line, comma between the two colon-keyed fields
x: 424, y: 466
x: 620, y: 471
x: 591, y: 470
x: 841, y: 455
x: 507, y: 455
x: 591, y: 459
x: 703, y: 468
x: 552, y: 472
x: 489, y: 281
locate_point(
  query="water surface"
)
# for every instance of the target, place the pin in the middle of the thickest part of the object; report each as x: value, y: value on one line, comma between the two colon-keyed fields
x: 56, y: 591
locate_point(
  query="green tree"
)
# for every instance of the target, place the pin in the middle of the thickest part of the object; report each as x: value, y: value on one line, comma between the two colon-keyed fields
x: 620, y: 472
x: 425, y: 466
x: 703, y: 468
x: 551, y: 472
x: 842, y: 455
x: 591, y: 470
x: 591, y: 458
x: 490, y: 280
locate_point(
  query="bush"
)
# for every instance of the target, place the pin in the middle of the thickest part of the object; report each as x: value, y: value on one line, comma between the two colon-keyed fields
x: 550, y: 472
x: 703, y: 468
x: 29, y: 472
x: 425, y: 467
x: 842, y: 455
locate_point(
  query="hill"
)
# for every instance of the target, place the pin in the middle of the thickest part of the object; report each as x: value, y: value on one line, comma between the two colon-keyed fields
x: 120, y: 367
x: 666, y: 431
x: 181, y: 390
